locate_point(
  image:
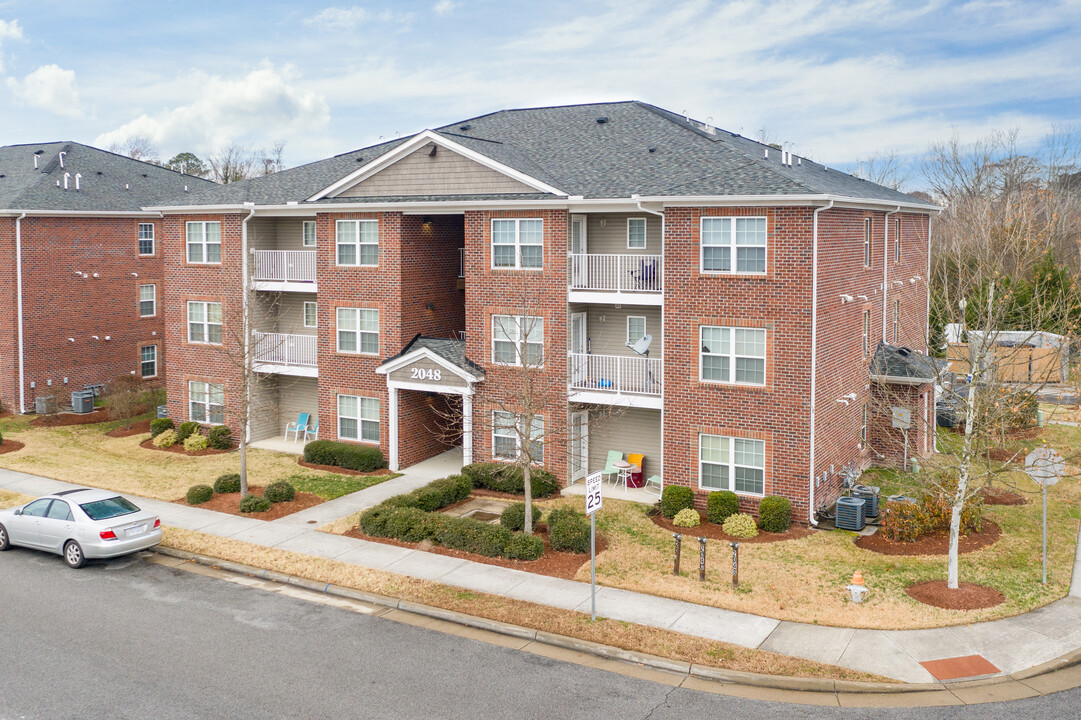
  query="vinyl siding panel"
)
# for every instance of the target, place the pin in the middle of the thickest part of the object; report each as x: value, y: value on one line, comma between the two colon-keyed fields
x: 264, y: 410
x: 297, y: 395
x: 612, y: 238
x: 445, y: 173
x: 629, y: 430
x: 283, y: 313
x: 610, y: 337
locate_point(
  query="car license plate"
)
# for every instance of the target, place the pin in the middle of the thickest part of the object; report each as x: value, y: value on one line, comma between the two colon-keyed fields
x: 137, y: 530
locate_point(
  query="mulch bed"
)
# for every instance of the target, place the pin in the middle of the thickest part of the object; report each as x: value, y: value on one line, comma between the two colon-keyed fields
x: 714, y: 531
x: 967, y: 596
x: 230, y: 503
x: 143, y: 426
x: 998, y: 496
x: 61, y: 419
x: 10, y: 446
x: 556, y: 564
x: 341, y: 470
x: 179, y: 448
x: 934, y: 544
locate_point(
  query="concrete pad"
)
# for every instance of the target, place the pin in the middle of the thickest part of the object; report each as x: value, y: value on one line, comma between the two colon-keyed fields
x: 193, y: 519
x: 36, y: 486
x: 811, y: 642
x: 933, y: 698
x: 999, y: 692
x: 1060, y: 621
x: 933, y: 644
x: 872, y: 651
x: 374, y: 555
x: 318, y: 544
x: 268, y: 534
x: 737, y: 628
x: 230, y: 525
x: 636, y: 608
x: 1075, y: 584
x: 1011, y: 646
x: 554, y: 592
x: 7, y: 477
x: 426, y: 566
x: 485, y: 578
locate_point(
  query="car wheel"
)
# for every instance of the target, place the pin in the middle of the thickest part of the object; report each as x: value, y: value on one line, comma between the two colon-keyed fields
x: 73, y: 554
x: 5, y: 543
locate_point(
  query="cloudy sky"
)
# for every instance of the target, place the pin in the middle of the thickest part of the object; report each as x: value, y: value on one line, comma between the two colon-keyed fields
x: 837, y: 80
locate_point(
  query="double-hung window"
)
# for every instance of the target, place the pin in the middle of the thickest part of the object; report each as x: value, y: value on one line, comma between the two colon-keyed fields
x: 358, y: 418
x: 636, y: 233
x: 508, y: 432
x: 308, y: 236
x: 148, y: 300
x: 518, y: 244
x: 357, y: 242
x: 206, y: 403
x: 146, y: 238
x: 867, y: 242
x: 728, y: 463
x: 866, y: 332
x: 204, y: 322
x: 517, y: 339
x: 311, y: 314
x: 733, y: 355
x: 636, y: 328
x: 723, y: 237
x: 358, y: 331
x: 204, y: 242
x: 897, y: 241
x: 148, y: 361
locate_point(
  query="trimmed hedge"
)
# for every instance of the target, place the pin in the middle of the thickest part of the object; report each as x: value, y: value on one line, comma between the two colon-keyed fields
x: 740, y: 525
x: 199, y: 494
x: 227, y: 483
x: 774, y: 514
x: 165, y: 439
x: 559, y: 514
x: 435, y: 495
x: 195, y: 442
x: 513, y: 518
x: 279, y: 492
x: 569, y: 534
x: 524, y: 547
x: 720, y: 504
x: 254, y: 503
x: 186, y: 430
x: 160, y: 425
x: 675, y: 498
x: 687, y: 518
x: 907, y: 522
x: 219, y: 437
x: 499, y: 477
x: 363, y: 458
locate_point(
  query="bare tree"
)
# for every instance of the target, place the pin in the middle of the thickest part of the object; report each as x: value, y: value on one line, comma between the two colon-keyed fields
x: 231, y: 163
x: 886, y: 169
x: 271, y: 160
x: 136, y: 147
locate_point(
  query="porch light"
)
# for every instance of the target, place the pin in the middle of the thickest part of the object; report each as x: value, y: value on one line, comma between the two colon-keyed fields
x: 426, y: 225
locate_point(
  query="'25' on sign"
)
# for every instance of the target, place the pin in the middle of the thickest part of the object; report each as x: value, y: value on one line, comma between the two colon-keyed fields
x: 593, y: 496
x: 423, y: 374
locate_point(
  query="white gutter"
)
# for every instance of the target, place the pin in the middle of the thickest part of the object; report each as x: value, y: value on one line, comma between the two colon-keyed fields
x: 244, y: 311
x: 143, y: 213
x: 886, y: 265
x: 814, y: 355
x: 19, y: 305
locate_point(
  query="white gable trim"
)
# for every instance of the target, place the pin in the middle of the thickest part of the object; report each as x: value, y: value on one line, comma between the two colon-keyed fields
x: 411, y: 357
x: 420, y: 140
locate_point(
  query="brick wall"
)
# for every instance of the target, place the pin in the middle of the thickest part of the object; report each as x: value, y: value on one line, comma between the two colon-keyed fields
x: 9, y: 367
x: 430, y: 275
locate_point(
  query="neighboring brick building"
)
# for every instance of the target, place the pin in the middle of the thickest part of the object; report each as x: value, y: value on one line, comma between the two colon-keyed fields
x: 764, y: 281
x: 74, y: 236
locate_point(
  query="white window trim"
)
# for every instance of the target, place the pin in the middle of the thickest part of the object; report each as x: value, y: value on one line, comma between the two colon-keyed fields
x: 896, y: 321
x: 208, y: 404
x: 360, y: 419
x: 644, y: 331
x: 205, y: 323
x: 141, y: 361
x: 153, y: 299
x: 338, y: 242
x: 519, y: 341
x: 517, y: 435
x: 896, y: 241
x: 867, y: 255
x: 517, y: 244
x: 863, y: 427
x: 203, y: 242
x: 732, y: 465
x: 153, y: 240
x: 866, y: 332
x: 304, y: 234
x: 358, y: 331
x: 645, y: 233
x: 732, y: 244
x: 732, y: 357
x: 304, y: 311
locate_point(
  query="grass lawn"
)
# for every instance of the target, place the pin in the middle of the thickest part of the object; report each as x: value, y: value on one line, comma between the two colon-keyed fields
x: 84, y: 454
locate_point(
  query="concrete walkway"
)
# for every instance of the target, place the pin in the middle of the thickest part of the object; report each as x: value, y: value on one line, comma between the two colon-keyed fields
x: 1012, y: 645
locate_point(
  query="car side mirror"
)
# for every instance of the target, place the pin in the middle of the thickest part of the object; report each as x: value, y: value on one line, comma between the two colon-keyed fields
x: 18, y: 511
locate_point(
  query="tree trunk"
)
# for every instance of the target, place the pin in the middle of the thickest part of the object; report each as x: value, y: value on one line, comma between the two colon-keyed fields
x: 528, y: 489
x: 963, y: 477
x: 243, y: 464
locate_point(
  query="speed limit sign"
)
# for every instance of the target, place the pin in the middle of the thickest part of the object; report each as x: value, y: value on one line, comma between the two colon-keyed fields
x: 593, y: 493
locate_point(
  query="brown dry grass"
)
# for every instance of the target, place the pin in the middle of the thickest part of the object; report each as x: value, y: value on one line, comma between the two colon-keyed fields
x: 11, y: 499
x: 563, y: 622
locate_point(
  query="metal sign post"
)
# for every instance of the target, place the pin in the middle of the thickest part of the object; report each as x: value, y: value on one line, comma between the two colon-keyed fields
x: 594, y: 502
x: 701, y: 559
x: 735, y: 563
x: 1045, y: 466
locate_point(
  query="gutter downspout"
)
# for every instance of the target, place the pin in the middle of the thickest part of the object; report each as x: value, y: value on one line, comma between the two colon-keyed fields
x: 814, y: 356
x: 661, y: 214
x: 19, y: 305
x: 886, y: 265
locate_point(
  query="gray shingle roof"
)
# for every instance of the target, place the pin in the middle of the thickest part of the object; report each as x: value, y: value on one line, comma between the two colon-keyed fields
x: 638, y: 149
x: 451, y: 350
x: 891, y: 361
x: 109, y: 182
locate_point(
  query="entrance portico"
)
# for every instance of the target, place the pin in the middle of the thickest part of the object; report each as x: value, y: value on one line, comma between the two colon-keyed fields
x: 431, y: 365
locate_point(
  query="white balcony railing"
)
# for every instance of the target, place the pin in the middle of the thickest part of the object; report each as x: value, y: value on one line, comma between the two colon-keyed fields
x: 282, y: 349
x: 461, y: 262
x: 284, y: 265
x: 616, y: 273
x: 616, y: 373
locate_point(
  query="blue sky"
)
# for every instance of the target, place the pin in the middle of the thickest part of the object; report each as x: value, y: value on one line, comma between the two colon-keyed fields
x: 836, y: 80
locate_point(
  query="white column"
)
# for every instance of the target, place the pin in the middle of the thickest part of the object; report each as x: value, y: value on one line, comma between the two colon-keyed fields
x: 467, y: 428
x: 392, y: 410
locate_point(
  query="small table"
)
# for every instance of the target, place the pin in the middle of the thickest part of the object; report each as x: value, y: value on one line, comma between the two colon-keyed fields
x: 625, y: 470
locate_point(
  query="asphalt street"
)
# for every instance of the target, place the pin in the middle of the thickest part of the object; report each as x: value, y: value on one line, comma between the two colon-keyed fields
x: 131, y: 639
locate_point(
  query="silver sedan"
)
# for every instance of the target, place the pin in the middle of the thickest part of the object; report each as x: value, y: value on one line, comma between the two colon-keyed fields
x: 80, y: 525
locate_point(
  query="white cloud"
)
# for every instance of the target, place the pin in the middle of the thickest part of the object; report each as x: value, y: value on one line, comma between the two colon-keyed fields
x: 260, y: 107
x: 443, y: 7
x: 9, y: 30
x: 51, y: 88
x: 336, y: 18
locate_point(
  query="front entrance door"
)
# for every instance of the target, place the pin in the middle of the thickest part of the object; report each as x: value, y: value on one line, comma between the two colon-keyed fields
x: 578, y: 348
x: 579, y: 445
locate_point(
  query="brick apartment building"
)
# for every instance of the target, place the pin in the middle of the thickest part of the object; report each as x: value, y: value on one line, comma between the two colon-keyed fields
x: 80, y: 269
x: 452, y: 268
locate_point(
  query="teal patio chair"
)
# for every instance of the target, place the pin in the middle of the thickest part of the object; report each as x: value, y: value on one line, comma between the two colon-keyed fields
x: 298, y: 427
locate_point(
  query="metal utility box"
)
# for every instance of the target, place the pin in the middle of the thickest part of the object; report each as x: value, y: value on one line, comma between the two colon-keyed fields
x: 163, y: 411
x: 870, y: 494
x: 45, y: 405
x: 851, y: 513
x: 82, y: 401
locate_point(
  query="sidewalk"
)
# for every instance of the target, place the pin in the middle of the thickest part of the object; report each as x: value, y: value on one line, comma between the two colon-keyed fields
x: 1012, y: 644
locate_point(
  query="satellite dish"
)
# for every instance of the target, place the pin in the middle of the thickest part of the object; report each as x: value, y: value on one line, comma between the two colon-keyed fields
x: 641, y: 346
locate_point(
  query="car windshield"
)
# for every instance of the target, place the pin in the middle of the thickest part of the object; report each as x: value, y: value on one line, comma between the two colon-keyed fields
x: 105, y: 509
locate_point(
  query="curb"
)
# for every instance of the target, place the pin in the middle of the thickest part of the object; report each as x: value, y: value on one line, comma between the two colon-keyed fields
x: 704, y: 672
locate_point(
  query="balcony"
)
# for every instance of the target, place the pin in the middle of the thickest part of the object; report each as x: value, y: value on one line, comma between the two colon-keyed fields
x: 634, y: 279
x: 286, y: 354
x: 289, y: 270
x: 628, y: 380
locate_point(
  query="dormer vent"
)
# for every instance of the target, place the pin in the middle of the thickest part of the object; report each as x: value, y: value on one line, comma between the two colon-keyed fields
x: 465, y: 127
x: 602, y: 119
